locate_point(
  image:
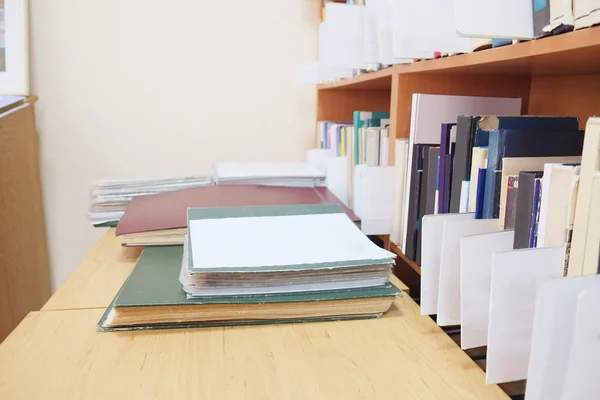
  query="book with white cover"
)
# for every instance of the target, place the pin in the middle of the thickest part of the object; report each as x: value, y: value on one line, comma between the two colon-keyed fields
x: 476, y: 255
x: 506, y: 19
x: 374, y: 198
x: 552, y: 338
x: 429, y: 111
x: 516, y: 277
x: 554, y: 206
x: 514, y: 165
x: 400, y: 164
x: 448, y: 309
x: 590, y: 163
x: 581, y: 381
x: 431, y: 253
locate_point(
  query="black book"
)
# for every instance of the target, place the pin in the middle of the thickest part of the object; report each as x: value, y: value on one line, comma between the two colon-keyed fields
x: 525, y: 197
x: 416, y: 173
x: 427, y: 193
x: 466, y: 128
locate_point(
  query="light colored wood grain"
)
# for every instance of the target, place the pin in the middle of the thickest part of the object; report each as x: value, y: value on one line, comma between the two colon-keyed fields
x: 401, y: 356
x: 566, y: 95
x: 98, y: 278
x: 24, y: 270
x: 339, y: 105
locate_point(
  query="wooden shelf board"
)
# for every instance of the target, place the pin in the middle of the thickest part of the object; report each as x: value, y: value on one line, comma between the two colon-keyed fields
x: 572, y: 53
x: 399, y: 253
x: 381, y: 79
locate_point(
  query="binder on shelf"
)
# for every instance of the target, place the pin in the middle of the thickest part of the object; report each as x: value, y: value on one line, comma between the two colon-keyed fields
x: 385, y: 32
x: 507, y: 19
x: 476, y: 256
x: 552, y: 337
x: 449, y: 301
x: 433, y: 226
x: 516, y: 277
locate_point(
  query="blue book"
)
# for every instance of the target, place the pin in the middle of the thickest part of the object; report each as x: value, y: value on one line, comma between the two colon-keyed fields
x: 480, y: 193
x: 523, y: 143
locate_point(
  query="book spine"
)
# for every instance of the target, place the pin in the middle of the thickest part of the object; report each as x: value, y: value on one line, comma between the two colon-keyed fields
x: 480, y: 193
x: 495, y: 150
x: 465, y: 137
x: 413, y: 202
x: 535, y: 213
x: 511, y: 201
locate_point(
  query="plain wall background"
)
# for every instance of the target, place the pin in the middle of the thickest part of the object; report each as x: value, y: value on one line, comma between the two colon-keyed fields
x: 148, y: 88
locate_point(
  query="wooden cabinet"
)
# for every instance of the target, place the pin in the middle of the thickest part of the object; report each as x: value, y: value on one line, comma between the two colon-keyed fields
x: 24, y: 269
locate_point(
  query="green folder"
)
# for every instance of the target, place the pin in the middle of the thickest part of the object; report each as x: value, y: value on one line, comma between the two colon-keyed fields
x: 155, y: 282
x: 271, y: 211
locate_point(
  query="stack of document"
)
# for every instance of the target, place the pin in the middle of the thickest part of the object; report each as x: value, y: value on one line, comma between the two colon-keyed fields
x: 293, y: 263
x: 110, y: 197
x: 274, y: 174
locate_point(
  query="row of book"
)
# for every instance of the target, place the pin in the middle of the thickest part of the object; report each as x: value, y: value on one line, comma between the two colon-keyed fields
x: 354, y: 36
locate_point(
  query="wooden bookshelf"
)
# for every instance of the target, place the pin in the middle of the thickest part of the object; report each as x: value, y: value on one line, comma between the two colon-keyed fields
x: 558, y: 75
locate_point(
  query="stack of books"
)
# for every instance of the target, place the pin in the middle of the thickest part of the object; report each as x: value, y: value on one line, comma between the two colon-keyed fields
x: 284, y: 268
x: 110, y: 197
x: 274, y: 174
x: 161, y: 219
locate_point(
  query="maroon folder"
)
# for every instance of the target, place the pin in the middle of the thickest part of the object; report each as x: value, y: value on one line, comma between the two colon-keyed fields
x: 169, y: 210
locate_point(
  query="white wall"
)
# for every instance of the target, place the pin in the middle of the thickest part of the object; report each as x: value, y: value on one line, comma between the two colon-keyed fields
x: 142, y: 88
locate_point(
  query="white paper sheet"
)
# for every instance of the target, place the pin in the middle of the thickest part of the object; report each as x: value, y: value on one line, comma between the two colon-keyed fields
x: 582, y: 381
x: 279, y: 241
x: 476, y: 253
x: 448, y: 309
x: 431, y: 250
x: 257, y: 170
x: 552, y: 338
x: 494, y: 19
x: 516, y: 277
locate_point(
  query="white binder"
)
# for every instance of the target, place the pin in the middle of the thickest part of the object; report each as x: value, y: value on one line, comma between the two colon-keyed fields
x: 495, y: 19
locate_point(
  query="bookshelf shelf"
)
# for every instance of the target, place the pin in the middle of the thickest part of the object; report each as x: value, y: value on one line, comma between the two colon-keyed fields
x: 558, y: 75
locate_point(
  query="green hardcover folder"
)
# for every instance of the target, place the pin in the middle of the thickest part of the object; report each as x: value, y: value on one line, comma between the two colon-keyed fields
x: 154, y: 282
x: 272, y: 211
x: 364, y: 120
x: 109, y: 224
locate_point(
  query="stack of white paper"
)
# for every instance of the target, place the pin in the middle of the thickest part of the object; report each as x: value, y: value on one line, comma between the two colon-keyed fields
x: 110, y: 197
x: 275, y: 174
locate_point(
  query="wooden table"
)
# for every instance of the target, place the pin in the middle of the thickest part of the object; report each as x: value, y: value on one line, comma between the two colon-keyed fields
x: 57, y: 354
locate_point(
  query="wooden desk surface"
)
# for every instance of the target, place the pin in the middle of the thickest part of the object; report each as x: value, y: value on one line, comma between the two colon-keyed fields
x: 101, y: 274
x: 57, y: 354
